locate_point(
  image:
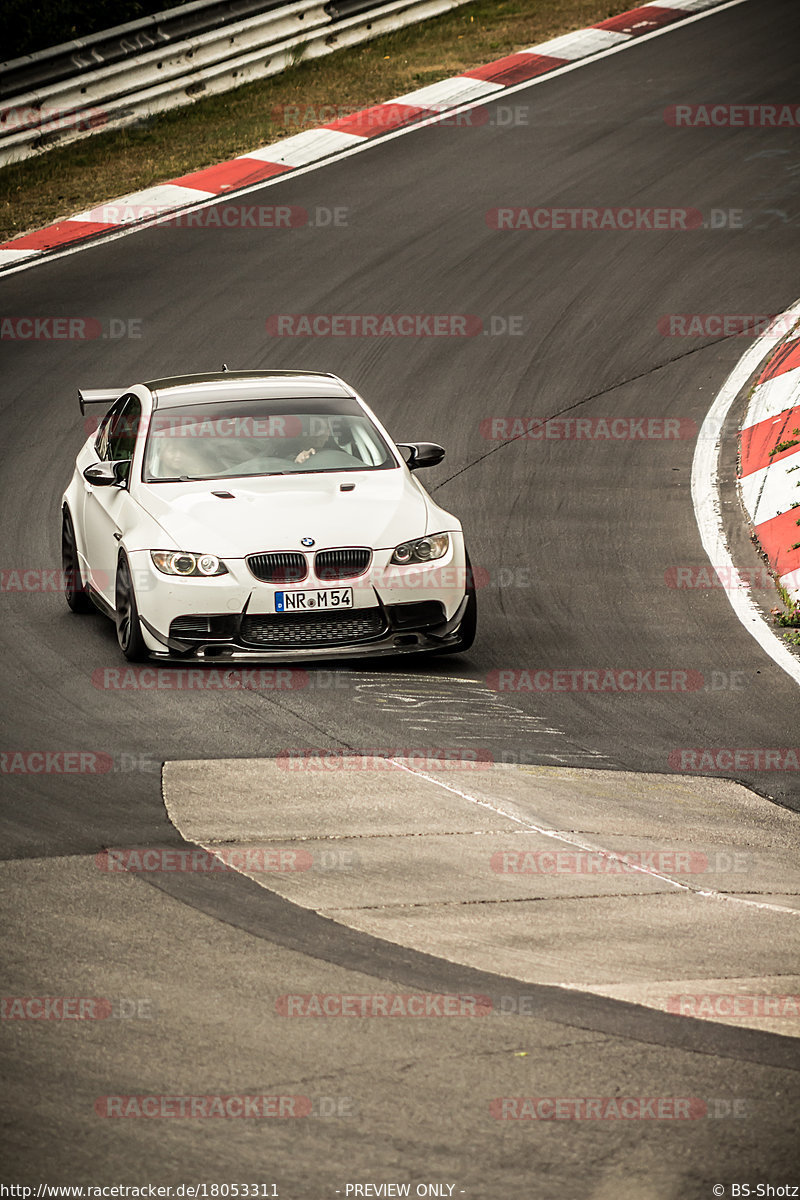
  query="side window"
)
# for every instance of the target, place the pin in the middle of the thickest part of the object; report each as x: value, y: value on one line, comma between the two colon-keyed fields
x: 101, y: 441
x: 123, y: 429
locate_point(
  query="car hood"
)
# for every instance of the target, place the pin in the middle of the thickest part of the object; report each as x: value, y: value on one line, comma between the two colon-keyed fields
x: 275, y: 512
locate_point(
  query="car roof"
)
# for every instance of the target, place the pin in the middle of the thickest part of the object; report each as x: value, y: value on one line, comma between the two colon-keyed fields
x: 180, y: 390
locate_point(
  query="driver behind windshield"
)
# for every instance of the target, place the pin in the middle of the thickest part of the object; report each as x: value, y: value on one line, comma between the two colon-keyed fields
x: 195, y: 446
x: 176, y: 458
x: 317, y: 435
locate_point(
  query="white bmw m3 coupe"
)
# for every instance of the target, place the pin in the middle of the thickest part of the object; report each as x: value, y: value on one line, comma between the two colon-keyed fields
x: 260, y: 515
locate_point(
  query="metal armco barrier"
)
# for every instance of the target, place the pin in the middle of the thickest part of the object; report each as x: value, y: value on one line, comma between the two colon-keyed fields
x: 123, y: 75
x: 74, y: 58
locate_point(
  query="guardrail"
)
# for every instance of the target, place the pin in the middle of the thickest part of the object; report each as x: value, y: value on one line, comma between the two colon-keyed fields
x: 74, y: 58
x: 131, y: 84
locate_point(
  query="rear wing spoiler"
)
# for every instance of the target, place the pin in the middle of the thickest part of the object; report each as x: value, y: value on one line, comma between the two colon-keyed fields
x: 105, y: 396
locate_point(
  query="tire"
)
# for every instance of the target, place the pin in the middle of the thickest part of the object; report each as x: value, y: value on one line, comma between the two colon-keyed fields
x: 469, y: 625
x: 75, y: 593
x: 129, y: 631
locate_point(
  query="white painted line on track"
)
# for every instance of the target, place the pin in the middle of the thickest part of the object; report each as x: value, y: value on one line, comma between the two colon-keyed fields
x: 580, y: 844
x: 705, y: 498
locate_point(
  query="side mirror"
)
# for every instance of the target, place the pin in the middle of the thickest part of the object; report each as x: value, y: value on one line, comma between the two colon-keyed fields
x: 106, y: 474
x: 421, y: 454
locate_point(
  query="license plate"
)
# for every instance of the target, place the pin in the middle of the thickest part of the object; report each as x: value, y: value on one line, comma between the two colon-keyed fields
x: 311, y: 601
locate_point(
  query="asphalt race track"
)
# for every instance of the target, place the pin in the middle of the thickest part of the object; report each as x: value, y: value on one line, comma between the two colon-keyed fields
x: 578, y: 539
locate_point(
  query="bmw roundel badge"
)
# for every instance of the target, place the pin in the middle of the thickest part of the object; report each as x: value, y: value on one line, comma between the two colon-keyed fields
x: 306, y: 541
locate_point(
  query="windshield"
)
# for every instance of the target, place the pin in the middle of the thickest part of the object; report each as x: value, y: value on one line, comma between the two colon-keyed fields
x: 253, y: 437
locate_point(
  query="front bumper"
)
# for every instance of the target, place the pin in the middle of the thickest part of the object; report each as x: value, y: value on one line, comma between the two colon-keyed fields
x: 396, y: 610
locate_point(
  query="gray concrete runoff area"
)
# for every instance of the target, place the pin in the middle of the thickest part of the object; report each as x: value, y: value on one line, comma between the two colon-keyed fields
x: 677, y: 894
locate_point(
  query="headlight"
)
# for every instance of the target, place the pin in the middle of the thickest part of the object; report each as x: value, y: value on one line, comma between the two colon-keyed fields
x: 422, y: 550
x: 180, y: 562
